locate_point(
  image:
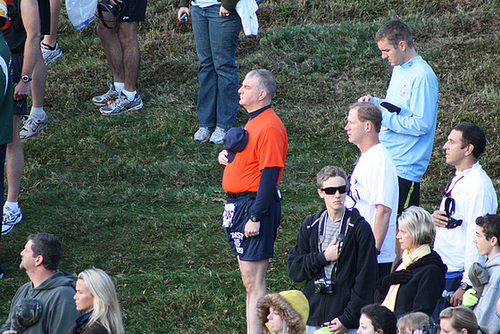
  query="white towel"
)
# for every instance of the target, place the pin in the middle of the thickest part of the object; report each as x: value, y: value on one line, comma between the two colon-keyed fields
x: 247, y: 10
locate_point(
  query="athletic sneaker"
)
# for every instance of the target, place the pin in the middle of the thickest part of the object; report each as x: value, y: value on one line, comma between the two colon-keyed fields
x: 102, y: 100
x: 122, y: 105
x: 202, y: 134
x: 10, y: 219
x: 218, y: 135
x: 32, y: 126
x: 49, y: 55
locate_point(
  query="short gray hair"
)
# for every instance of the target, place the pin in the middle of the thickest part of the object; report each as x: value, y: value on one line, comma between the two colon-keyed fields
x: 265, y: 81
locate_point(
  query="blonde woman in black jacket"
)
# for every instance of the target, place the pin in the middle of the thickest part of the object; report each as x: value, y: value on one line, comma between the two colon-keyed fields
x: 418, y: 280
x: 96, y: 297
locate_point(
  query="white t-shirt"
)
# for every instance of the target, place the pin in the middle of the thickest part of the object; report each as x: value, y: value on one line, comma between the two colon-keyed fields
x: 374, y: 181
x: 474, y: 196
x: 204, y: 3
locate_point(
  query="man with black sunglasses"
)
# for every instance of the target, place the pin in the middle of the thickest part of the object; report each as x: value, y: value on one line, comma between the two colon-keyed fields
x: 374, y: 180
x: 335, y: 253
x: 469, y: 194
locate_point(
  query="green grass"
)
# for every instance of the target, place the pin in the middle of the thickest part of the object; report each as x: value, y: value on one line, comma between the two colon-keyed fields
x: 137, y: 197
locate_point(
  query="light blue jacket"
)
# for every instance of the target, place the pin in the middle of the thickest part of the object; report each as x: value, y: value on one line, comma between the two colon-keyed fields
x: 409, y: 136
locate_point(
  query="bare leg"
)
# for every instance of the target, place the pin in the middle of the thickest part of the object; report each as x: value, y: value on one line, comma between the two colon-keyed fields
x: 131, y: 57
x: 113, y: 51
x: 253, y: 275
x: 14, y: 162
x: 38, y: 83
x: 33, y: 60
x: 55, y: 9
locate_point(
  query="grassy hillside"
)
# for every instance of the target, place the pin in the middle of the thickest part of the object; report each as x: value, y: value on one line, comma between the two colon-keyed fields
x: 134, y: 195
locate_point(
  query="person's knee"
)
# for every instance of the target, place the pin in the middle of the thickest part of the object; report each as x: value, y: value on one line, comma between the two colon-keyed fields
x: 254, y: 280
x: 105, y: 33
x: 127, y: 33
x: 253, y: 284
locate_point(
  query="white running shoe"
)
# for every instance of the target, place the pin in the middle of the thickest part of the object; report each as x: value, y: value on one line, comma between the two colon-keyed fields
x: 203, y: 134
x: 50, y: 55
x: 218, y: 135
x: 10, y: 219
x: 122, y: 105
x: 32, y: 126
x: 111, y: 94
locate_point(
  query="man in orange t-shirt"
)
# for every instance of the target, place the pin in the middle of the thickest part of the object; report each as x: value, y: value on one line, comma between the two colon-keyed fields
x: 253, y: 210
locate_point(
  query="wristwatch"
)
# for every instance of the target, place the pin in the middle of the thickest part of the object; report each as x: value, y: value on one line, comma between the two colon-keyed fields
x: 26, y: 78
x: 255, y: 219
x: 465, y: 286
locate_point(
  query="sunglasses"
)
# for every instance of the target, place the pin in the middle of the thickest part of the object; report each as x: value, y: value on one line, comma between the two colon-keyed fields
x: 333, y: 190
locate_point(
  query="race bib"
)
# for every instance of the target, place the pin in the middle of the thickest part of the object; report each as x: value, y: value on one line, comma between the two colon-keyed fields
x: 227, y: 216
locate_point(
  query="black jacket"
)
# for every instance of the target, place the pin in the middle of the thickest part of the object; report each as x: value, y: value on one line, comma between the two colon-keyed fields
x: 80, y: 328
x: 356, y: 274
x: 422, y: 290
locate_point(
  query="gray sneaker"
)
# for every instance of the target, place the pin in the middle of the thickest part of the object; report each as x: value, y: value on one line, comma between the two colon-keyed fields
x: 32, y: 126
x: 122, y: 105
x: 102, y: 100
x: 218, y: 135
x: 203, y: 134
x: 50, y: 55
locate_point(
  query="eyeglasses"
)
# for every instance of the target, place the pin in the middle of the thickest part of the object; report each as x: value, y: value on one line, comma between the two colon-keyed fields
x: 333, y: 190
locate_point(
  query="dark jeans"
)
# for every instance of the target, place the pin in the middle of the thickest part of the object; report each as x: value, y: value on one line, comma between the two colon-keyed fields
x: 216, y: 40
x: 450, y: 285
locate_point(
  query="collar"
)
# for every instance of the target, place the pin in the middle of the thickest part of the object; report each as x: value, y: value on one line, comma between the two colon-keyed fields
x: 410, y: 62
x: 83, y: 318
x: 324, y: 220
x: 256, y: 113
x: 466, y: 171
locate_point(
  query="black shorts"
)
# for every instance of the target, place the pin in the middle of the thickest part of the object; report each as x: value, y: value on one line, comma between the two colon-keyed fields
x: 409, y: 194
x: 44, y: 12
x: 135, y: 11
x: 254, y: 248
x: 21, y: 106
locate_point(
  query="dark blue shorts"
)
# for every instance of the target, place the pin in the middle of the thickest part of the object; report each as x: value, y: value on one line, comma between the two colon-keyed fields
x: 254, y: 248
x: 21, y: 106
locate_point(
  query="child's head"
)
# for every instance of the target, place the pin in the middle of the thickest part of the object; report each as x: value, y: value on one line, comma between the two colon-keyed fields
x: 411, y: 321
x: 286, y: 311
x: 487, y: 234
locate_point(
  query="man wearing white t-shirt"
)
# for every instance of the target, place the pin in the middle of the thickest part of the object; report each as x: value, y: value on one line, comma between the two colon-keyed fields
x: 374, y: 181
x: 470, y: 194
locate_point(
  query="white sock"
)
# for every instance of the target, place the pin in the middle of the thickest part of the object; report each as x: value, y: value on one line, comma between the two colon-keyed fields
x: 130, y: 95
x: 11, y: 206
x: 38, y: 113
x: 119, y: 86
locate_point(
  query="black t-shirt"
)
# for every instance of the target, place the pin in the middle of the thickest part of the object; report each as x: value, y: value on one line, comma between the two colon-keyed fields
x: 15, y: 35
